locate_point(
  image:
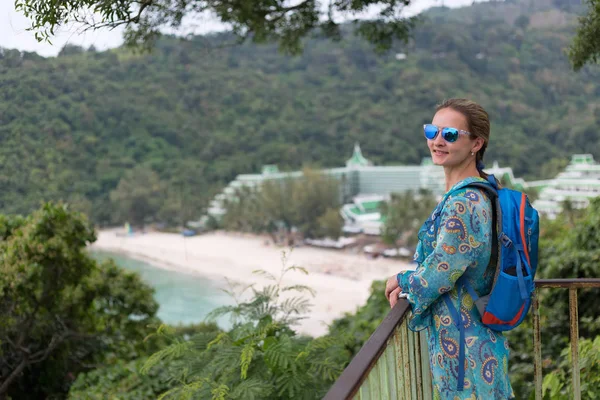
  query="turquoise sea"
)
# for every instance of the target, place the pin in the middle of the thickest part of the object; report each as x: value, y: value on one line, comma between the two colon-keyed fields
x: 183, y: 298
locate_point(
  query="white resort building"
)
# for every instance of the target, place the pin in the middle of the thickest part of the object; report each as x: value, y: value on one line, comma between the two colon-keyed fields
x: 363, y: 187
x: 361, y: 183
x: 578, y: 183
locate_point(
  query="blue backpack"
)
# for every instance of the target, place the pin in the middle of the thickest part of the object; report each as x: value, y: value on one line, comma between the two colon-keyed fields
x: 515, y: 257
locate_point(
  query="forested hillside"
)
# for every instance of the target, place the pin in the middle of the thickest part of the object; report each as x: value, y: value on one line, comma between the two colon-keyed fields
x: 198, y: 114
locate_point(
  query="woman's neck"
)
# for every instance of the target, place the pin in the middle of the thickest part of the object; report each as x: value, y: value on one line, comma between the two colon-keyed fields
x: 459, y: 173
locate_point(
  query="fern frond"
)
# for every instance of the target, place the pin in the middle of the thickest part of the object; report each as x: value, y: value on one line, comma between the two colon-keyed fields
x: 220, y: 311
x: 280, y: 355
x: 226, y: 361
x: 168, y: 353
x: 233, y: 290
x: 290, y: 383
x: 252, y: 389
x: 323, y: 343
x: 200, y: 341
x: 327, y: 369
x: 266, y: 274
x: 242, y: 333
x: 221, y: 337
x: 300, y: 288
x: 246, y: 359
x: 295, y: 305
x: 162, y: 330
x: 219, y: 392
x: 297, y: 268
x: 267, y: 293
x: 267, y: 329
x: 185, y: 391
x: 303, y: 355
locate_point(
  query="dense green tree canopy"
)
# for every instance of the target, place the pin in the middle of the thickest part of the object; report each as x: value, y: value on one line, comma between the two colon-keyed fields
x: 309, y: 203
x: 72, y: 126
x: 586, y: 46
x: 62, y: 312
x: 138, y: 195
x: 284, y: 21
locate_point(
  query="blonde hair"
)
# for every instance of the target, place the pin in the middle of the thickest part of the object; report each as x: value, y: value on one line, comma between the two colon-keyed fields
x: 478, y: 122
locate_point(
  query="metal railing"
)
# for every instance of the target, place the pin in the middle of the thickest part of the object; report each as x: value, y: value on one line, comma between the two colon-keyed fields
x: 572, y: 285
x: 394, y: 362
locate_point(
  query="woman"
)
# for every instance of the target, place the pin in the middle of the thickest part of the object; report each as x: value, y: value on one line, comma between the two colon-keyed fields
x: 460, y: 247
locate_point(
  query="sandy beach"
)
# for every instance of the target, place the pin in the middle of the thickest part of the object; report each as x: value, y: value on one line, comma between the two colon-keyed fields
x: 341, y: 280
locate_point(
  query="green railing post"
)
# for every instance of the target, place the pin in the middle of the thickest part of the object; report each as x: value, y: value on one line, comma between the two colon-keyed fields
x: 537, y: 347
x: 572, y: 285
x: 573, y: 314
x: 427, y: 382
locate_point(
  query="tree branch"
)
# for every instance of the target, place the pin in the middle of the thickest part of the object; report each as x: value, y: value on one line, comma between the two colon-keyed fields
x: 40, y: 355
x: 284, y: 10
x: 4, y: 386
x: 292, y: 8
x: 144, y: 5
x: 43, y: 354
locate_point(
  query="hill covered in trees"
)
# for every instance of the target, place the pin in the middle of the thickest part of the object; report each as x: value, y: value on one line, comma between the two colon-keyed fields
x: 193, y: 114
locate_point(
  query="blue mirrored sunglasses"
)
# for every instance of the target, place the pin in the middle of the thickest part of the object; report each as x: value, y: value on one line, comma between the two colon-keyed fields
x: 449, y: 134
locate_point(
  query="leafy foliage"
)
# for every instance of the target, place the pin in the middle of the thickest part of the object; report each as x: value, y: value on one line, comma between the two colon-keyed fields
x: 284, y: 21
x: 404, y: 214
x: 73, y: 126
x: 260, y: 358
x: 123, y: 380
x: 137, y: 195
x: 62, y: 312
x: 330, y: 224
x: 568, y: 249
x: 358, y: 327
x: 309, y: 203
x: 586, y: 45
x: 559, y: 385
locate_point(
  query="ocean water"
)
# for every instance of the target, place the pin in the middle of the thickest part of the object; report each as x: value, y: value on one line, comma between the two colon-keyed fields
x: 183, y: 298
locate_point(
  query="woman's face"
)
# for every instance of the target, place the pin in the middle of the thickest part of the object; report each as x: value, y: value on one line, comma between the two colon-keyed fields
x: 451, y: 154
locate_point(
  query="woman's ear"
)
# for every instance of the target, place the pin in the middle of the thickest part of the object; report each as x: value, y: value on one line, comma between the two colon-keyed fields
x: 479, y: 142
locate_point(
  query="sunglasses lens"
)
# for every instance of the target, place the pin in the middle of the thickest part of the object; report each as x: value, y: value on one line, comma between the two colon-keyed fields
x: 450, y: 134
x: 430, y: 131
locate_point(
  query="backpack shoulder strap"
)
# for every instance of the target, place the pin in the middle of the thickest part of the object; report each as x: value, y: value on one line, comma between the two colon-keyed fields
x: 492, y: 190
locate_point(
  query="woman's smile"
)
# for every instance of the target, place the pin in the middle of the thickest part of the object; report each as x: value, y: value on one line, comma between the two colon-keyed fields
x: 439, y: 153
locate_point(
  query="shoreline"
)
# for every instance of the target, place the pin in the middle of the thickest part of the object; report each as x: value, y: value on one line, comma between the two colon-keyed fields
x: 341, y: 280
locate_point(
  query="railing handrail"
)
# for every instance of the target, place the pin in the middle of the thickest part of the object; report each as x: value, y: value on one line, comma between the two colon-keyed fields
x: 349, y: 382
x: 577, y: 283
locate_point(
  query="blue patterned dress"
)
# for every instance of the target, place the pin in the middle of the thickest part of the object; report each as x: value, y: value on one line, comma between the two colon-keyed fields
x: 461, y: 246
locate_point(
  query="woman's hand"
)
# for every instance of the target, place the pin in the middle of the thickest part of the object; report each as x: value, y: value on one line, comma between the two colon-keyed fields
x: 392, y: 290
x: 394, y: 297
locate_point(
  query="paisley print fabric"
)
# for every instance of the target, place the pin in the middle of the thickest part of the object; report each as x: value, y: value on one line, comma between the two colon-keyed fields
x: 461, y: 246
